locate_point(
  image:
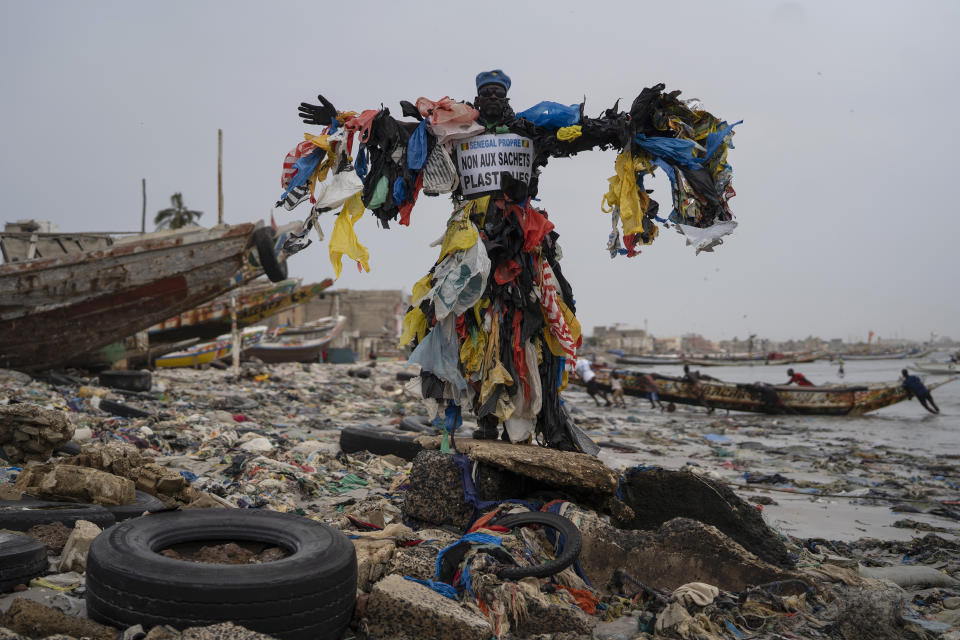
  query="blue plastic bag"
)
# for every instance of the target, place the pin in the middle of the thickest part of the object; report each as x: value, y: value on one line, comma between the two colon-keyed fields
x: 417, y: 147
x: 552, y: 115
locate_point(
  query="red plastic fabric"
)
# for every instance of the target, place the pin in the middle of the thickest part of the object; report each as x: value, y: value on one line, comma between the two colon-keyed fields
x: 407, y: 206
x: 362, y: 123
x: 506, y: 272
x: 446, y: 111
x: 584, y: 599
x: 519, y: 354
x: 535, y: 227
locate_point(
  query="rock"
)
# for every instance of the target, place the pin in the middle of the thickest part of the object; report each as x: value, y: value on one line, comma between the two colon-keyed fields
x: 552, y: 617
x: 554, y: 467
x: 658, y: 495
x: 34, y: 620
x: 76, y: 484
x: 30, y: 432
x: 222, y: 631
x: 953, y: 602
x: 679, y: 552
x: 436, y: 491
x: 400, y: 607
x: 373, y: 556
x: 74, y: 557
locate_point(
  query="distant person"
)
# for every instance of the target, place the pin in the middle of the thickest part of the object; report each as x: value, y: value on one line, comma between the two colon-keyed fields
x: 799, y: 378
x: 915, y: 387
x: 589, y: 378
x: 840, y: 372
x: 694, y: 379
x: 616, y: 390
x: 649, y: 386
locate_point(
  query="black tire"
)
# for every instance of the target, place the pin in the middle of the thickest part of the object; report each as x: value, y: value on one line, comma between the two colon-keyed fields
x: 564, y: 526
x: 122, y: 410
x: 417, y: 424
x: 264, y: 240
x: 403, y: 376
x: 20, y: 515
x: 379, y: 441
x: 21, y: 558
x: 359, y: 373
x: 126, y: 380
x: 310, y: 594
x: 145, y: 502
x: 69, y: 449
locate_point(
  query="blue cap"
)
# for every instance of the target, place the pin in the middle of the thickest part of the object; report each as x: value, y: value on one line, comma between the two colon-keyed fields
x: 493, y: 77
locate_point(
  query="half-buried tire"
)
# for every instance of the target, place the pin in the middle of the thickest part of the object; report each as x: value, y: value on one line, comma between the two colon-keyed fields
x: 573, y: 542
x: 21, y: 558
x: 263, y: 240
x: 20, y: 515
x: 145, y: 502
x: 379, y: 441
x: 310, y: 594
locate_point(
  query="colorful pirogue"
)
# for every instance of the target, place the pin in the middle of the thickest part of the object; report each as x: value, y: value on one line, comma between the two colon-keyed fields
x: 851, y: 400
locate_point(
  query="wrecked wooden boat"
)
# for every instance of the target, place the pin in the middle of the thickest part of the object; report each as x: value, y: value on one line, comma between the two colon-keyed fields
x: 207, y: 352
x: 255, y: 303
x: 56, y: 308
x: 850, y: 400
x: 299, y: 344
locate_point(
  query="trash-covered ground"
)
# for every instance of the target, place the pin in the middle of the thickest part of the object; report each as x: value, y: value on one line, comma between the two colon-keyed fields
x: 863, y: 544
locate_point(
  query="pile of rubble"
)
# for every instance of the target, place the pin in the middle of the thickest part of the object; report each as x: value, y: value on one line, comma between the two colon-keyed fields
x: 665, y: 553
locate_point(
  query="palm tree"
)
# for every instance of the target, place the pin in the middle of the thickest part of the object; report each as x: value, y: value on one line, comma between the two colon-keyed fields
x: 176, y: 216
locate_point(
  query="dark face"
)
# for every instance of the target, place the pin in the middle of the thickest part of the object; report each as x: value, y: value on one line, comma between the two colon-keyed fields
x: 491, y: 102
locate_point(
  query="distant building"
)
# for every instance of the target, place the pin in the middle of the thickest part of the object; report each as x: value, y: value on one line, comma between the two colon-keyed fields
x: 695, y: 343
x: 374, y: 317
x: 626, y: 339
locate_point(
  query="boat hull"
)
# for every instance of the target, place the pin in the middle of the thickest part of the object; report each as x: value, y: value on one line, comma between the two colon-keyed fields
x: 56, y: 309
x: 836, y: 401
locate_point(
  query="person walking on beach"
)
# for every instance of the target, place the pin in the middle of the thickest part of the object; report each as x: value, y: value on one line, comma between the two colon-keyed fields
x: 589, y: 378
x: 649, y: 386
x: 799, y: 378
x: 694, y: 378
x: 616, y: 389
x: 915, y: 387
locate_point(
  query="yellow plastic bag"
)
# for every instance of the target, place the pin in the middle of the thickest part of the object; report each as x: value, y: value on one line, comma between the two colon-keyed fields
x: 623, y: 192
x: 343, y: 240
x: 414, y: 326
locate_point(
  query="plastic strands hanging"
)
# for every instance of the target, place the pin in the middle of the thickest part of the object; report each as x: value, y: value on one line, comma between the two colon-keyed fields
x: 343, y: 239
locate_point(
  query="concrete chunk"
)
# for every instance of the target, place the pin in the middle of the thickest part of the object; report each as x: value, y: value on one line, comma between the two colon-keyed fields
x: 76, y: 484
x: 74, y: 557
x: 400, y: 607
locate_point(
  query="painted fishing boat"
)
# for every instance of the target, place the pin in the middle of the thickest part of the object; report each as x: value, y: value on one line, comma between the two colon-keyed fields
x: 937, y: 368
x: 53, y: 309
x: 849, y: 400
x: 300, y: 344
x: 207, y: 352
x: 255, y: 303
x: 650, y: 359
x: 889, y: 355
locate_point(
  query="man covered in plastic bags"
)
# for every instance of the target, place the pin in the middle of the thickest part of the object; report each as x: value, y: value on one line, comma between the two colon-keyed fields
x: 492, y: 324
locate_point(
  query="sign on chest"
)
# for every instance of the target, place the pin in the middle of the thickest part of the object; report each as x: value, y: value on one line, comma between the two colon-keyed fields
x: 481, y: 159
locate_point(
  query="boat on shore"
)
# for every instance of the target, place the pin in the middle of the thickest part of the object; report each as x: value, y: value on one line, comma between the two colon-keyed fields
x: 53, y: 309
x: 255, y: 303
x: 207, y: 352
x: 299, y: 344
x: 851, y: 400
x: 937, y: 368
x: 890, y: 355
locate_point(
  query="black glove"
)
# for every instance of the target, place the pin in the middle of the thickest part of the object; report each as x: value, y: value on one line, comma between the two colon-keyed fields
x: 322, y: 114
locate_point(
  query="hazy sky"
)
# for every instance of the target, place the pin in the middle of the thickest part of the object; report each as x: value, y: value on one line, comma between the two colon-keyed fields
x: 843, y: 166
